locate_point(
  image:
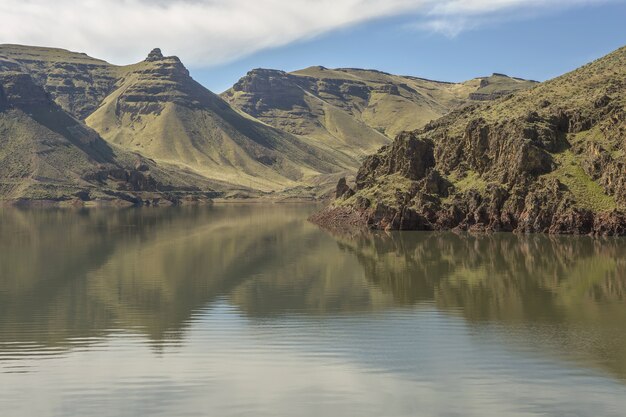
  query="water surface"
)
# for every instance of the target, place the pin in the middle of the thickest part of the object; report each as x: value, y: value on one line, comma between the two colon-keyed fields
x: 248, y: 310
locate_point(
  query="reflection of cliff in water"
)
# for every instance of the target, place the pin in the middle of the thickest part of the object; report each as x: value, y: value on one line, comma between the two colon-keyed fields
x: 565, y: 293
x: 67, y: 277
x: 78, y: 274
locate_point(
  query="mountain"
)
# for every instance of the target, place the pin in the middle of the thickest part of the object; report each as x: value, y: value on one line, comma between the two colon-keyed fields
x: 47, y: 155
x: 309, y: 128
x: 550, y: 159
x: 355, y: 109
x: 157, y: 109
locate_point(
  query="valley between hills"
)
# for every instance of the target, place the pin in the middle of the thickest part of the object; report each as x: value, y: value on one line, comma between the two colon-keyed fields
x: 78, y: 130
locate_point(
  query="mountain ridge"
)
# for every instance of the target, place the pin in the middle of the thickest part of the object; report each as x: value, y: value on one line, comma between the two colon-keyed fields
x: 378, y: 105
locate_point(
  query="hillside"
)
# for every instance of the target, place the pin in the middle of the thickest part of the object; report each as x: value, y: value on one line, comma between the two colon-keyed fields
x: 550, y: 159
x: 357, y: 109
x: 158, y: 110
x: 274, y: 132
x: 75, y: 81
x: 47, y: 155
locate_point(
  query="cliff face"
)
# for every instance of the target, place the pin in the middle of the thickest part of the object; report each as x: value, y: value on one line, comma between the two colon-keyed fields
x: 548, y: 160
x: 75, y: 81
x: 326, y: 111
x: 148, y: 87
x: 154, y: 108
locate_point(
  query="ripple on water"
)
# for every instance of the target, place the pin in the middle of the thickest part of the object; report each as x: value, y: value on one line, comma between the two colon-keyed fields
x: 250, y: 310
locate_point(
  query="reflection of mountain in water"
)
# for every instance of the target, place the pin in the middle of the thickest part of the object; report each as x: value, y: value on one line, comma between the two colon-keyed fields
x: 77, y: 274
x: 67, y: 277
x: 564, y: 293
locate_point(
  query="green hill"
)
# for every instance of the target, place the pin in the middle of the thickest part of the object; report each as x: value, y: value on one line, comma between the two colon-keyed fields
x: 550, y: 159
x: 155, y: 108
x: 294, y: 134
x: 47, y: 155
x: 158, y: 110
x: 75, y: 81
x: 355, y: 109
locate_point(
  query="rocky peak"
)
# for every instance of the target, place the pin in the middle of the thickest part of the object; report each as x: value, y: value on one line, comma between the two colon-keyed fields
x: 155, y: 55
x: 161, y: 80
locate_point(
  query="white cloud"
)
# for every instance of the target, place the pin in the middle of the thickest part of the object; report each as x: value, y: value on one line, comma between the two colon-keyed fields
x: 209, y: 32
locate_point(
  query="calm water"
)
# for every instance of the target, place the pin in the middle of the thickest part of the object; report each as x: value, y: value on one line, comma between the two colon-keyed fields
x: 252, y: 311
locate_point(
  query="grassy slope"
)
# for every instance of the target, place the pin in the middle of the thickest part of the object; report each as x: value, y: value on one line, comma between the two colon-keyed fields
x: 76, y: 82
x: 189, y: 126
x: 359, y: 125
x: 418, y: 100
x: 46, y: 154
x: 575, y: 90
x: 214, y: 141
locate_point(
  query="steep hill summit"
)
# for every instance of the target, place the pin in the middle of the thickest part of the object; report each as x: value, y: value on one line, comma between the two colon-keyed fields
x: 158, y: 110
x: 46, y: 155
x: 550, y: 159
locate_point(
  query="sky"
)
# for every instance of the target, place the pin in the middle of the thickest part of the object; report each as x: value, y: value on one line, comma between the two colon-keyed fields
x: 220, y: 40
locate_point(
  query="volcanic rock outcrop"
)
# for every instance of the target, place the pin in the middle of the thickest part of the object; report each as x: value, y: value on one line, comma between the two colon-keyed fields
x: 550, y: 159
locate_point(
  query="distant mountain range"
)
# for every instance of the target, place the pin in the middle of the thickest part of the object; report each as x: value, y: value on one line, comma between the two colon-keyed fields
x: 550, y: 159
x: 341, y: 105
x: 75, y: 129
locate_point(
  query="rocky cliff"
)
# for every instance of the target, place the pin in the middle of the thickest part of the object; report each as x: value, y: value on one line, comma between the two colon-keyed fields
x: 315, y: 124
x: 75, y: 81
x: 550, y: 160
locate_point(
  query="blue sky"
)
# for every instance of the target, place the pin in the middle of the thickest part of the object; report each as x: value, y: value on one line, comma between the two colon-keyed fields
x: 220, y: 40
x: 534, y: 46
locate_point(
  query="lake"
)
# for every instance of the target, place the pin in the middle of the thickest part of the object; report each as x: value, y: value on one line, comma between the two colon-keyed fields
x: 249, y: 310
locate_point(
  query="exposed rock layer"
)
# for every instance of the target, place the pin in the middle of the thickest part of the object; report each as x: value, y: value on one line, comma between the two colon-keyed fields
x: 360, y: 109
x: 548, y: 160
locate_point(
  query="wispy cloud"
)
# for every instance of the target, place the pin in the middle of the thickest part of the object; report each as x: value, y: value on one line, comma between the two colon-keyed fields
x: 452, y: 17
x: 210, y: 32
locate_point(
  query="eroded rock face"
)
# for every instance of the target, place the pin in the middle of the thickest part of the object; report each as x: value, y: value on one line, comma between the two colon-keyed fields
x: 408, y: 156
x: 74, y: 81
x: 526, y: 165
x: 126, y: 179
x: 19, y: 90
x: 343, y: 190
x: 4, y: 103
x: 155, y: 55
x: 279, y: 98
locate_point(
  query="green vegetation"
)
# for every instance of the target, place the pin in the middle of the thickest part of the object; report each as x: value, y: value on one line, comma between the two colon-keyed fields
x: 386, y: 190
x: 349, y: 108
x: 471, y: 181
x: 546, y: 159
x: 587, y: 193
